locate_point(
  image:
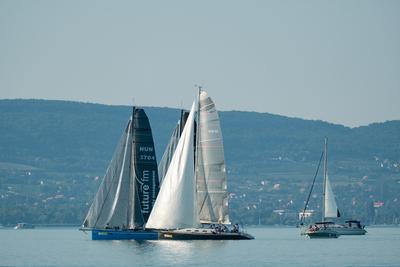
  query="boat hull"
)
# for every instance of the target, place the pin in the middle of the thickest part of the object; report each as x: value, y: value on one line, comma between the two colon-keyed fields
x: 180, y: 235
x: 350, y: 231
x: 108, y: 234
x: 322, y: 234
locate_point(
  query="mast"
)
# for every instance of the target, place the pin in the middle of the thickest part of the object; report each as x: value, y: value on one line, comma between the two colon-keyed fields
x: 134, y: 198
x: 197, y: 133
x: 325, y: 173
x: 181, y: 123
x: 131, y: 210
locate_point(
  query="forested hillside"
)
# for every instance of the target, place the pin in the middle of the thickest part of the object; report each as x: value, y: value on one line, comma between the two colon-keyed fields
x: 53, y: 155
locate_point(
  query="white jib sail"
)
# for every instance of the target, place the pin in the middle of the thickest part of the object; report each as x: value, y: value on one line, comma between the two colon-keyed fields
x: 331, y: 209
x: 176, y: 205
x: 212, y: 191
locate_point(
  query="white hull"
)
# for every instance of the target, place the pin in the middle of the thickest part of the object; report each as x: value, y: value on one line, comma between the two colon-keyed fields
x: 350, y: 231
x: 339, y: 229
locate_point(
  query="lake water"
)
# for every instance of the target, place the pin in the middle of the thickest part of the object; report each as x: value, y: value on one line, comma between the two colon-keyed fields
x: 272, y: 247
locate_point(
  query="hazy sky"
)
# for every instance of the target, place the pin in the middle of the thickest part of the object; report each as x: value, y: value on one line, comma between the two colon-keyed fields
x: 337, y: 61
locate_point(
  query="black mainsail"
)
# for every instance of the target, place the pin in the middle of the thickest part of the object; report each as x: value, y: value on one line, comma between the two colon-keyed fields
x: 145, y: 165
x: 130, y: 186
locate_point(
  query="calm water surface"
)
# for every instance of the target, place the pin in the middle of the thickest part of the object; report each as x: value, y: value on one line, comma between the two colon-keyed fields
x: 272, y: 247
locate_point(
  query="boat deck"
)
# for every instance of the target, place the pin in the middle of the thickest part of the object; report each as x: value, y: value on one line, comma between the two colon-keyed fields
x: 203, y: 234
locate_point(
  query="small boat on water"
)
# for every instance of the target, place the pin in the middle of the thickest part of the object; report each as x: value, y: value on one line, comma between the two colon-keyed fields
x: 330, y: 210
x: 24, y: 225
x: 321, y: 230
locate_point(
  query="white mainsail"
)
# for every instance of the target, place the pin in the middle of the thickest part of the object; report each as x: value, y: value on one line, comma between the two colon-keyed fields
x: 175, y: 206
x: 331, y: 209
x: 212, y: 194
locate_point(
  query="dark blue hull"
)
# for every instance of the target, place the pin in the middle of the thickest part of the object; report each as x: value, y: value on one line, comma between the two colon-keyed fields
x: 108, y: 234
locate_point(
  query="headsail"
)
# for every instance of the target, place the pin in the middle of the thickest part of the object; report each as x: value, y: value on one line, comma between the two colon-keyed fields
x: 175, y: 206
x: 108, y: 209
x: 331, y: 209
x: 129, y: 188
x: 212, y: 191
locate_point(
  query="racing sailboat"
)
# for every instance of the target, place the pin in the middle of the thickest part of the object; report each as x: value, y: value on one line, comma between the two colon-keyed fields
x: 129, y: 188
x: 193, y: 199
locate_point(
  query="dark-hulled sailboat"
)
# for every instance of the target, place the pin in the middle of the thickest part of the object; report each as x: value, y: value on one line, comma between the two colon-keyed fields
x: 130, y: 186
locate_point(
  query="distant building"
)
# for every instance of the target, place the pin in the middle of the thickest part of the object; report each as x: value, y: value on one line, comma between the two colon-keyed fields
x: 305, y: 214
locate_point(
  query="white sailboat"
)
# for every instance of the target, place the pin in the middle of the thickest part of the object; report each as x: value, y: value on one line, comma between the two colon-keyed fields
x: 330, y: 210
x: 193, y: 195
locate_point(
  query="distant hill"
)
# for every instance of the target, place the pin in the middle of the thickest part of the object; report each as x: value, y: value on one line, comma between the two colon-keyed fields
x: 52, y: 154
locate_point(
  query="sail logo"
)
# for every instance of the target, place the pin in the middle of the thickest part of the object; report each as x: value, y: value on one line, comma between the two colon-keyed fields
x: 146, y: 149
x: 147, y: 157
x: 144, y: 188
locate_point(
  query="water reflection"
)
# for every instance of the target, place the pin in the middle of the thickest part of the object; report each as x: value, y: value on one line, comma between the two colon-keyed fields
x: 170, y: 251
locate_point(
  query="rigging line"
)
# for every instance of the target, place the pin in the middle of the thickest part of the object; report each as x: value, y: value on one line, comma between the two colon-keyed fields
x: 312, y: 186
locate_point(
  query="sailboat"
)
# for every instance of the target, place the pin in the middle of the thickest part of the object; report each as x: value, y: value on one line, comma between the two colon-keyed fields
x: 330, y: 210
x: 193, y: 201
x: 188, y: 201
x: 129, y: 188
